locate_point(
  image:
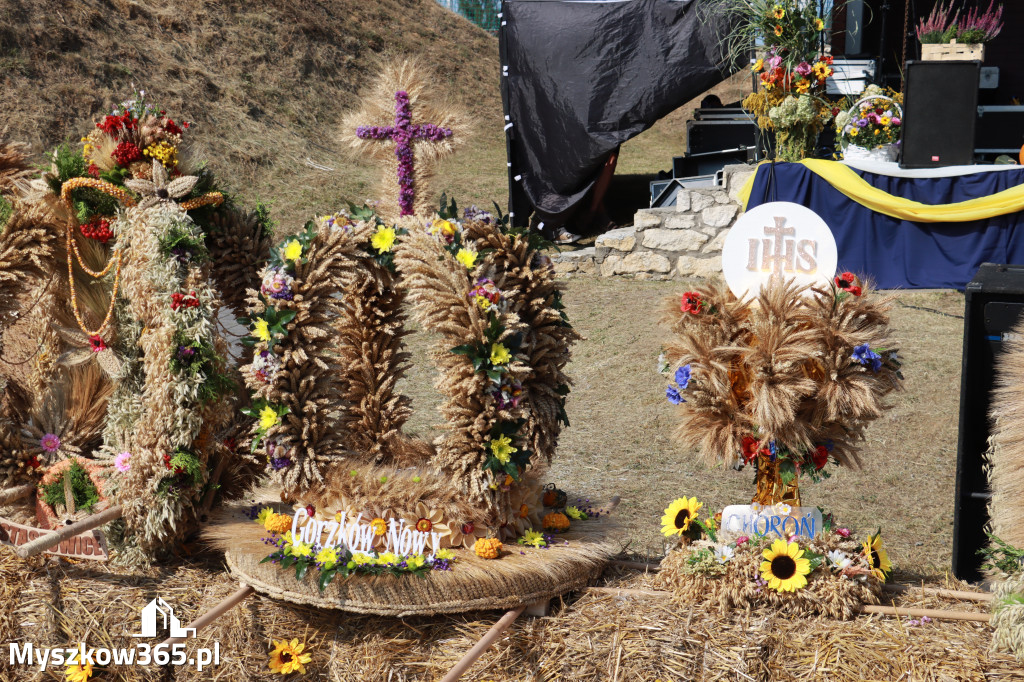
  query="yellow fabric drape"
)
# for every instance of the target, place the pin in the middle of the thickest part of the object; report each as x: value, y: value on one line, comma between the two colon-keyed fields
x: 846, y: 180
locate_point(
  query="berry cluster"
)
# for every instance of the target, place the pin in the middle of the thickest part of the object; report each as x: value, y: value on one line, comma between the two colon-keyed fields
x: 189, y: 300
x: 126, y: 152
x: 97, y: 228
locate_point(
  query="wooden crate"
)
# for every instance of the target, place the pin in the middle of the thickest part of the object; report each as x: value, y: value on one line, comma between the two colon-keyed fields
x: 954, y: 51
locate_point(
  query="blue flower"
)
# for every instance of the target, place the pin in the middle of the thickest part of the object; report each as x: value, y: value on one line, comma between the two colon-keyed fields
x: 683, y: 377
x: 673, y: 395
x: 864, y: 355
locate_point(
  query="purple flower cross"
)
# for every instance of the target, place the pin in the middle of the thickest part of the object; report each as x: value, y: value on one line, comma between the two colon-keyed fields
x: 404, y: 133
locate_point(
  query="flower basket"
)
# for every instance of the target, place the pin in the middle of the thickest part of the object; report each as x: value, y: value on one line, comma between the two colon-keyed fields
x: 944, y: 52
x: 886, y: 152
x: 879, y: 152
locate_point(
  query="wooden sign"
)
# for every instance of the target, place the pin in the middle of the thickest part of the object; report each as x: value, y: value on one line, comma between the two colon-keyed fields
x: 88, y: 545
x: 778, y: 241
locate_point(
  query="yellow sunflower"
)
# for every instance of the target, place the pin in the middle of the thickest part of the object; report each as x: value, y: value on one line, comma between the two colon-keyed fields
x: 287, y: 658
x: 877, y: 557
x: 778, y: 29
x: 819, y: 24
x: 785, y: 569
x: 779, y: 12
x: 679, y: 515
x: 78, y: 672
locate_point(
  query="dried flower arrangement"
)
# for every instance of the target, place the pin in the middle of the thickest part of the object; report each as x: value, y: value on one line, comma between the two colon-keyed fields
x: 142, y: 237
x: 786, y: 382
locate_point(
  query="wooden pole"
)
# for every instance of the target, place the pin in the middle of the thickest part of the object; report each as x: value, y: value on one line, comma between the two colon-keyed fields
x: 638, y: 565
x: 45, y: 542
x: 14, y: 494
x: 225, y: 605
x: 218, y: 471
x: 629, y: 592
x: 934, y: 614
x: 486, y: 641
x: 962, y: 595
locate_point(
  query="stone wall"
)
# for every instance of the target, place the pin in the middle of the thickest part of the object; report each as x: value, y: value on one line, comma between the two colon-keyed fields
x: 684, y: 240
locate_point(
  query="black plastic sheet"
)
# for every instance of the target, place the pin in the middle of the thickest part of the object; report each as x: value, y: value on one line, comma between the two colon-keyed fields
x: 584, y: 77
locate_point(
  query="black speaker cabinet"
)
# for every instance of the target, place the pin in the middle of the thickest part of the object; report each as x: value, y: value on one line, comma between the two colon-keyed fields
x: 994, y: 303
x: 939, y: 112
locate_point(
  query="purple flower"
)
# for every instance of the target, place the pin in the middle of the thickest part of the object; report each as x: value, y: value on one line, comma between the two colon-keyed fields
x: 896, y: 120
x: 672, y: 393
x: 474, y: 213
x: 121, y: 462
x: 683, y: 376
x: 277, y: 284
x: 803, y: 69
x: 277, y: 463
x: 186, y: 353
x: 265, y: 365
x: 864, y: 355
x: 863, y: 123
x: 50, y: 442
x: 403, y: 133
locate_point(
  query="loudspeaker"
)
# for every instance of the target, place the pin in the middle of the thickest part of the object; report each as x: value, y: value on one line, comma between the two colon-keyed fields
x: 939, y: 112
x: 994, y: 304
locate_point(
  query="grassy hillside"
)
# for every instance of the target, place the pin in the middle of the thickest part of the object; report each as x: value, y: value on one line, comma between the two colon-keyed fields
x: 266, y: 82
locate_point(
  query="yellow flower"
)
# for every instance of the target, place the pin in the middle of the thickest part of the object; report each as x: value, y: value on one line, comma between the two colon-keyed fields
x: 302, y: 549
x: 779, y: 12
x: 268, y: 417
x: 261, y: 330
x: 163, y: 152
x: 287, y: 658
x: 502, y: 449
x: 854, y: 132
x: 379, y: 526
x: 499, y: 354
x: 387, y: 558
x: 679, y: 515
x: 362, y: 559
x: 533, y: 539
x: 758, y: 66
x: 383, y: 239
x: 768, y: 86
x: 803, y: 86
x: 886, y: 120
x: 78, y: 672
x: 483, y: 302
x: 443, y: 226
x: 328, y: 556
x: 784, y: 567
x: 466, y: 257
x: 414, y: 562
x: 819, y: 24
x: 778, y: 30
x: 446, y: 554
x: 293, y: 250
x: 877, y: 557
x: 576, y: 513
x: 278, y: 523
x: 264, y: 514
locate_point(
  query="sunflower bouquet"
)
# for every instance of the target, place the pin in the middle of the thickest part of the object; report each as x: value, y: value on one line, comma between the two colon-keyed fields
x: 831, y: 574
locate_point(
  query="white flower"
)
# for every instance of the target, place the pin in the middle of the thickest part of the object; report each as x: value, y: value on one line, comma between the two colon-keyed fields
x: 783, y: 509
x: 723, y: 553
x: 838, y: 560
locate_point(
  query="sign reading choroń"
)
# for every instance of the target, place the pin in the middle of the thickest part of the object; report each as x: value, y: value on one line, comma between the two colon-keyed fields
x: 778, y: 241
x: 88, y: 545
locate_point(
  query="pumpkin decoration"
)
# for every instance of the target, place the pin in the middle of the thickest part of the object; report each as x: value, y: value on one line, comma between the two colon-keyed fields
x: 556, y: 522
x: 487, y: 548
x: 553, y: 497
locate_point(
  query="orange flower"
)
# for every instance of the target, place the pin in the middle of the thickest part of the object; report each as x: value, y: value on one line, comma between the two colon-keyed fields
x: 556, y: 521
x: 778, y: 29
x: 487, y: 548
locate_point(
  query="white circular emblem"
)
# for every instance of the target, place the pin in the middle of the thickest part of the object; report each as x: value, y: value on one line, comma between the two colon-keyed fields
x: 780, y: 240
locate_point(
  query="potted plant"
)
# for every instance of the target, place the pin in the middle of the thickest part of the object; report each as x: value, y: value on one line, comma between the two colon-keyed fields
x: 944, y: 35
x: 869, y: 128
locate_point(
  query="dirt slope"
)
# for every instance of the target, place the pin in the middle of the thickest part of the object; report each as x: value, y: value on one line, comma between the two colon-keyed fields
x: 266, y: 82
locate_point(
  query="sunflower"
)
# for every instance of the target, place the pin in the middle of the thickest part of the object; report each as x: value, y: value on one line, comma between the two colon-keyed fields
x: 877, y: 557
x: 679, y: 515
x: 288, y: 658
x: 778, y: 29
x: 785, y: 569
x: 779, y: 12
x: 78, y: 672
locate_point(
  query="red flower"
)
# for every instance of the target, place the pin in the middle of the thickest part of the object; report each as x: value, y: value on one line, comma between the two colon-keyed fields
x: 96, y: 343
x: 467, y: 528
x: 126, y: 152
x: 749, y: 449
x: 171, y: 127
x: 820, y: 457
x: 230, y: 443
x: 310, y: 510
x: 692, y: 303
x: 849, y: 283
x: 112, y: 125
x: 93, y: 170
x: 33, y: 462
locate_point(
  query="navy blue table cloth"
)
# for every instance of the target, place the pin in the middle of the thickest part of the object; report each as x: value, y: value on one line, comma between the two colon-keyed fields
x: 894, y: 253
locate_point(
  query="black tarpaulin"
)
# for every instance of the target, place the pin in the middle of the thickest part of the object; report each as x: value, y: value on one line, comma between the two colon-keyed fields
x: 581, y: 78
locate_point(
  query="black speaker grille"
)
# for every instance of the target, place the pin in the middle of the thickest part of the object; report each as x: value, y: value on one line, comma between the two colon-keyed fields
x: 940, y: 110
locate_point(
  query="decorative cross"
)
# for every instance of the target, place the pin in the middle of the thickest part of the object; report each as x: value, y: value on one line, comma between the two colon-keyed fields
x: 404, y: 133
x: 783, y: 257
